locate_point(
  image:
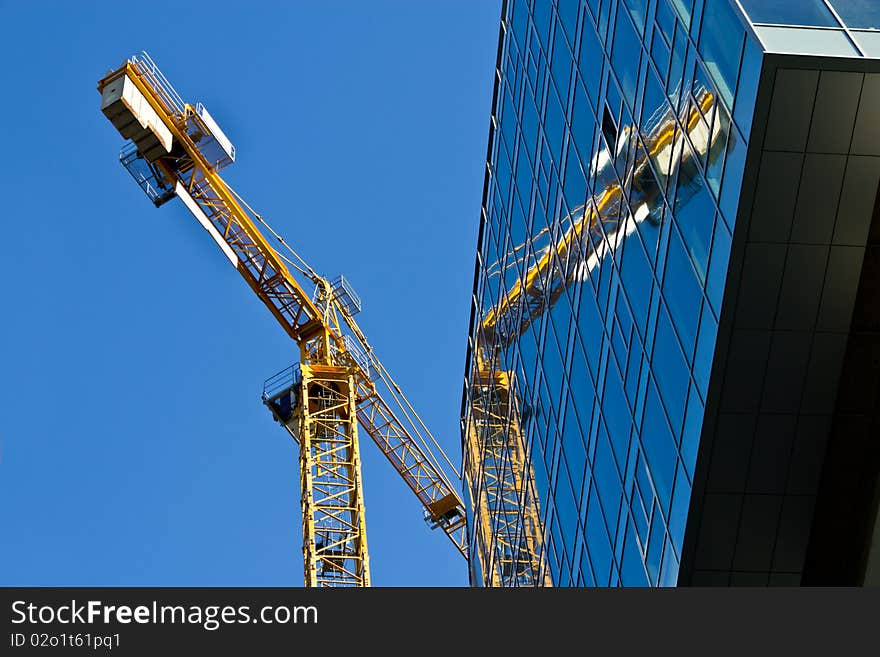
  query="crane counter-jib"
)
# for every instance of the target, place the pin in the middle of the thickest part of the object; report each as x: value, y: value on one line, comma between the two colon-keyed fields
x: 176, y: 150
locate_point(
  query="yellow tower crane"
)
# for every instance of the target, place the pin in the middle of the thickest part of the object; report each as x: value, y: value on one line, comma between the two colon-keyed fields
x: 508, y: 529
x: 176, y: 149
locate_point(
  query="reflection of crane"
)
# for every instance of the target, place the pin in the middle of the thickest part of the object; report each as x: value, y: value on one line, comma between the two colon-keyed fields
x: 508, y: 527
x: 177, y: 149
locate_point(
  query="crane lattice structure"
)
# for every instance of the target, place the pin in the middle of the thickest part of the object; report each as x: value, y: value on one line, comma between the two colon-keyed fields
x: 176, y: 149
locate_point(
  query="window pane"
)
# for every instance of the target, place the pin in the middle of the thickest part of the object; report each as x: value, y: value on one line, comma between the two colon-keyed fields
x: 705, y: 350
x: 607, y: 478
x: 869, y: 42
x: 655, y: 547
x: 720, y: 44
x: 632, y: 571
x: 684, y: 9
x: 638, y: 9
x: 679, y: 512
x: 583, y: 123
x: 659, y: 447
x: 718, y: 266
x: 670, y: 567
x: 670, y: 370
x: 568, y: 16
x: 859, y: 13
x: 694, y: 211
x: 637, y: 279
x: 617, y: 415
x: 590, y: 62
x: 748, y: 84
x: 625, y: 56
x: 682, y: 292
x: 665, y: 19
x: 597, y: 540
x: 806, y: 42
x: 560, y: 66
x: 790, y: 12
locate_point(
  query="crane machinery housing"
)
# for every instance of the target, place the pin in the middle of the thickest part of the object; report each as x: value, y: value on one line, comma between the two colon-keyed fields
x: 176, y: 150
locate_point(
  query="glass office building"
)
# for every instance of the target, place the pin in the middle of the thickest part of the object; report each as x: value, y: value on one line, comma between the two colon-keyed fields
x: 676, y: 246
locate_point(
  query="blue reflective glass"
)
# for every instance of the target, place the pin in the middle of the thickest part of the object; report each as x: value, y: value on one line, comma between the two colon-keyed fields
x: 643, y: 479
x: 690, y: 436
x: 678, y: 513
x: 561, y: 64
x: 747, y: 91
x: 637, y: 279
x: 604, y: 15
x: 597, y: 540
x: 670, y: 370
x: 721, y: 39
x: 606, y: 476
x: 594, y: 6
x: 717, y: 148
x: 682, y: 292
x: 618, y: 344
x: 676, y: 67
x: 583, y: 124
x: 586, y: 569
x: 573, y: 445
x: 530, y: 125
x: 539, y: 466
x: 705, y: 351
x: 659, y: 447
x: 590, y: 328
x: 625, y: 56
x: 685, y: 10
x: 633, y: 370
x: 694, y: 211
x: 575, y: 185
x: 590, y: 61
x: 655, y: 548
x: 859, y: 13
x: 566, y: 505
x: 638, y: 9
x: 639, y: 516
x: 552, y: 362
x: 502, y: 177
x: 660, y: 54
x: 554, y: 124
x: 669, y: 572
x: 733, y: 171
x: 665, y: 19
x: 568, y: 16
x: 718, y: 266
x: 542, y: 13
x: 790, y: 12
x: 523, y: 175
x: 632, y: 571
x: 624, y: 317
x: 617, y: 415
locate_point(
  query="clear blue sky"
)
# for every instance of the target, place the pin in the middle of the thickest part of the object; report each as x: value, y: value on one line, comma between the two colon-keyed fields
x: 133, y: 446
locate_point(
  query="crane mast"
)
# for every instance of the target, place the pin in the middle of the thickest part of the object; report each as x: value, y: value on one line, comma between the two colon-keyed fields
x: 508, y: 528
x: 176, y: 150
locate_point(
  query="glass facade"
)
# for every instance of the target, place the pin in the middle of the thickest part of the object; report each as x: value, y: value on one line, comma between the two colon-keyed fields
x: 823, y: 27
x: 619, y: 132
